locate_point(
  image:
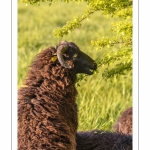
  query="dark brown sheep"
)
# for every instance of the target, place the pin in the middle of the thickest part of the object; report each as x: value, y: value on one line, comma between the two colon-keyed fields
x: 47, y: 110
x: 124, y: 122
x: 100, y: 140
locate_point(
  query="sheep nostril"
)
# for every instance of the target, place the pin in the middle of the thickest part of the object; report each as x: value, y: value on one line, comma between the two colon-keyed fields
x: 95, y: 65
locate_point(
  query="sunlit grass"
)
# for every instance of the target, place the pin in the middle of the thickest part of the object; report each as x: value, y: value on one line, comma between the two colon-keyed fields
x: 101, y: 102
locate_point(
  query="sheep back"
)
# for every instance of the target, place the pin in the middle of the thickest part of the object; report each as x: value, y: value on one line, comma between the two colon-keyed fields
x: 102, y: 140
x: 124, y: 122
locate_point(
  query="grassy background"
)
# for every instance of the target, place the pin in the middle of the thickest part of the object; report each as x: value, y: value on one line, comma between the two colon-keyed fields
x: 100, y: 102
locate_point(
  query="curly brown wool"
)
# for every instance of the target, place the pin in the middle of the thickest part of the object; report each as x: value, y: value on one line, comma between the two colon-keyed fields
x: 103, y: 140
x: 43, y: 124
x: 124, y: 122
x: 47, y: 110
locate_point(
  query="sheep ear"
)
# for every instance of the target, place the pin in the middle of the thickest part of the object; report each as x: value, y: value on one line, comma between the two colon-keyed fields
x: 60, y: 51
x: 53, y: 59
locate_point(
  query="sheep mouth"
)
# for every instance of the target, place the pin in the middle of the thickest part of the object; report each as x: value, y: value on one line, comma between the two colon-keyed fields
x: 89, y: 71
x: 86, y: 69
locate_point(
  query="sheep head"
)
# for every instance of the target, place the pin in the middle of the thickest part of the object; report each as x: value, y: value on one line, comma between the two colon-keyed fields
x: 70, y: 52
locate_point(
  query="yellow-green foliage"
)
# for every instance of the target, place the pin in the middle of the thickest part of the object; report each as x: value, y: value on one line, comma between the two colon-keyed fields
x: 100, y: 101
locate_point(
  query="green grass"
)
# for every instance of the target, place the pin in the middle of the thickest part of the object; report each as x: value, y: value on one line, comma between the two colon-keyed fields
x: 100, y: 102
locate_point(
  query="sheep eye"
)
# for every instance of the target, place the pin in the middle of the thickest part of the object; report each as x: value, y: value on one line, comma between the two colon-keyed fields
x: 75, y: 55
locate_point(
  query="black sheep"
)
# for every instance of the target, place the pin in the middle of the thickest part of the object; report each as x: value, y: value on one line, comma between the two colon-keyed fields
x: 103, y: 140
x: 47, y: 110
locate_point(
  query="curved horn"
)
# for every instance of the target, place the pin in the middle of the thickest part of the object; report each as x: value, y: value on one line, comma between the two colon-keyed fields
x: 60, y: 51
